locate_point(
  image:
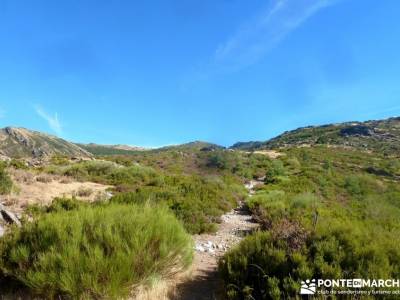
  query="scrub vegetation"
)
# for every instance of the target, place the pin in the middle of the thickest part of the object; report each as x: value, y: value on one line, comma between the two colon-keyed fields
x: 196, y: 200
x: 6, y: 183
x: 328, y: 205
x: 325, y: 213
x: 93, y: 252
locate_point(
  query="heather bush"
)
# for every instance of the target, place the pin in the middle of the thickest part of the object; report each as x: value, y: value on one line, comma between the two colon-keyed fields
x: 98, y: 252
x: 336, y: 216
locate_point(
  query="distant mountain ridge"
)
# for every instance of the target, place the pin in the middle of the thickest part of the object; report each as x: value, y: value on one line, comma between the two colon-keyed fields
x: 374, y: 135
x: 99, y: 149
x: 195, y: 145
x: 24, y: 143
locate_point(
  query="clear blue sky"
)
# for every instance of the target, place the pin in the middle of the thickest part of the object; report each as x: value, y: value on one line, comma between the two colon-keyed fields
x: 170, y: 71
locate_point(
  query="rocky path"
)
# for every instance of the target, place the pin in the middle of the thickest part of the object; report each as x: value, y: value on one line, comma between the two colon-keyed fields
x: 204, y: 283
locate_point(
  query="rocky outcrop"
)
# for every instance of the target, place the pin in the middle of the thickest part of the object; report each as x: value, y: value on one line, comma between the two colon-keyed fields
x: 381, y: 136
x: 24, y: 143
x: 360, y: 130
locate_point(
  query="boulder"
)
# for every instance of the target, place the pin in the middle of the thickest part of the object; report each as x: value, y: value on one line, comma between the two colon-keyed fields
x: 9, y: 217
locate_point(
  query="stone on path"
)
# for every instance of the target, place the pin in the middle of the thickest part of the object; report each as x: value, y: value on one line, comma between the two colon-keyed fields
x: 8, y: 216
x: 200, y: 248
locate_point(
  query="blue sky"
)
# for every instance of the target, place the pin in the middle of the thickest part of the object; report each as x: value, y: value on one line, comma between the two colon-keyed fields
x: 163, y: 72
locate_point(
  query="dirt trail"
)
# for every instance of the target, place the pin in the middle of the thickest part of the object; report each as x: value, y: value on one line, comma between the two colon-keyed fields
x: 204, y: 282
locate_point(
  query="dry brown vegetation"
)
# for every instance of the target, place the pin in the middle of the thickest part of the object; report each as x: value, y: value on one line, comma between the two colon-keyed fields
x: 41, y: 189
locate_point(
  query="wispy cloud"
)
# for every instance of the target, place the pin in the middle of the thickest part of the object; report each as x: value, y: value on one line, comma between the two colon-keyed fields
x: 52, y: 121
x: 253, y: 41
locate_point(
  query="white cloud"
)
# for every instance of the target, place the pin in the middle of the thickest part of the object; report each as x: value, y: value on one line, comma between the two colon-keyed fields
x: 52, y: 121
x: 253, y: 41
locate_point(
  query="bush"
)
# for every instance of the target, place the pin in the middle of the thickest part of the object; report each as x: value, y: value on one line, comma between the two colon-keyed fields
x: 59, y: 160
x: 197, y: 201
x: 106, y: 172
x: 265, y: 266
x: 18, y: 164
x: 304, y: 201
x: 335, y: 217
x: 274, y: 171
x: 65, y: 204
x: 268, y: 206
x: 257, y: 269
x: 220, y: 161
x: 95, y: 252
x: 6, y: 183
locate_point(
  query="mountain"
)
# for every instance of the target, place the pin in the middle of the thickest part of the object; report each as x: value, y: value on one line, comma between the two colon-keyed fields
x: 98, y: 149
x: 374, y: 135
x: 24, y: 143
x: 193, y: 146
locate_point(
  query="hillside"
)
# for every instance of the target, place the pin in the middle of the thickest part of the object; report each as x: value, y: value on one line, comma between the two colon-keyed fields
x: 24, y: 143
x: 376, y: 135
x: 304, y: 202
x: 97, y: 149
x: 193, y: 146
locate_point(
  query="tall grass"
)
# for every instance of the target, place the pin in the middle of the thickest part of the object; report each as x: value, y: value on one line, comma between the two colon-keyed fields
x: 95, y: 252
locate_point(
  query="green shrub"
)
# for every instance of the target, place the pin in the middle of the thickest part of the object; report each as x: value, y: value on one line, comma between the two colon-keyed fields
x: 220, y: 160
x: 6, y: 183
x: 336, y: 216
x: 270, y: 205
x: 107, y: 172
x: 258, y: 267
x: 95, y: 252
x: 59, y: 160
x: 265, y: 266
x: 304, y: 201
x: 274, y: 171
x: 353, y: 185
x: 18, y: 164
x: 197, y: 201
x: 65, y: 204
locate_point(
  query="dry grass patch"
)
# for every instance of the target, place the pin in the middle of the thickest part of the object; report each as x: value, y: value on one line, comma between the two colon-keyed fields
x: 30, y: 190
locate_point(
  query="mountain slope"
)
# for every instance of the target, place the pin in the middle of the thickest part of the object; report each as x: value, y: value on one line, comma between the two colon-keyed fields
x: 24, y: 143
x: 97, y: 149
x: 193, y: 146
x: 375, y: 135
